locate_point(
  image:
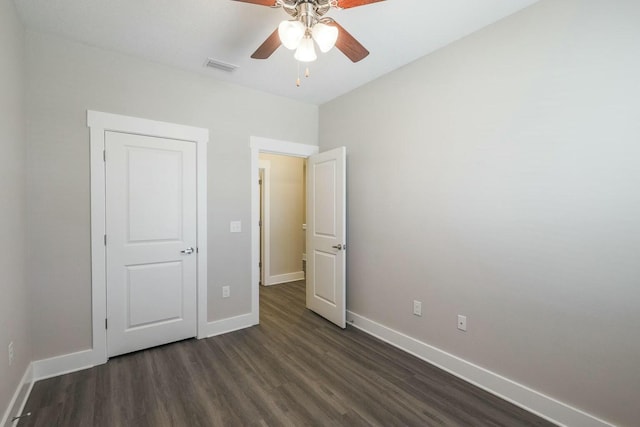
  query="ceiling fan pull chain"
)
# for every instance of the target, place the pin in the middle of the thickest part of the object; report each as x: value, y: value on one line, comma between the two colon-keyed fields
x: 306, y: 72
x: 298, y: 80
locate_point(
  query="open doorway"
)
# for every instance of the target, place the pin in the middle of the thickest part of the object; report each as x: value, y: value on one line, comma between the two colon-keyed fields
x: 282, y: 219
x: 326, y: 227
x: 265, y: 146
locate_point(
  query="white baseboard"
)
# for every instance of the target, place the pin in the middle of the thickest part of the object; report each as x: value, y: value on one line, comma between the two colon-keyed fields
x: 72, y: 362
x: 60, y: 365
x: 511, y: 391
x: 19, y: 399
x: 285, y: 278
x: 231, y: 324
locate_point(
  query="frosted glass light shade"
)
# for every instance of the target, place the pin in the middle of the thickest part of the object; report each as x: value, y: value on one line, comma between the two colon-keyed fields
x: 291, y: 32
x: 325, y: 35
x: 306, y: 52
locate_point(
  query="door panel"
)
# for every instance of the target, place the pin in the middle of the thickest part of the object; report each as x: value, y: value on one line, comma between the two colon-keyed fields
x: 164, y: 282
x: 151, y: 220
x: 155, y: 199
x: 326, y: 235
x: 325, y: 276
x: 325, y: 198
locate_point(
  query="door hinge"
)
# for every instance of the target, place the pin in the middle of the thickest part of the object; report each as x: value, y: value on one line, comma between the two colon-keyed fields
x: 106, y: 324
x: 105, y: 240
x: 259, y: 182
x: 259, y: 265
x: 259, y: 223
x: 104, y: 155
x: 197, y: 250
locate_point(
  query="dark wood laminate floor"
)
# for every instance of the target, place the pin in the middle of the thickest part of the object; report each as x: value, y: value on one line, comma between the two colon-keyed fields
x: 294, y: 369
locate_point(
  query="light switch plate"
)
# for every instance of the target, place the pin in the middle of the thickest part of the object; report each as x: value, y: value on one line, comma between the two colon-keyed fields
x: 417, y: 308
x: 235, y: 227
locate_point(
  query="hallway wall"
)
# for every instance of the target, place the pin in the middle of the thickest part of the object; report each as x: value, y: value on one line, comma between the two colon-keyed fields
x: 287, y: 204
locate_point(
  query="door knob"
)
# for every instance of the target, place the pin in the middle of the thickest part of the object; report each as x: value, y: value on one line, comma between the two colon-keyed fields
x: 338, y: 247
x: 187, y: 251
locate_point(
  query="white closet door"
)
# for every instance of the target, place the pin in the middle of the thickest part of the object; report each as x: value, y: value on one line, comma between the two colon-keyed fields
x: 151, y: 240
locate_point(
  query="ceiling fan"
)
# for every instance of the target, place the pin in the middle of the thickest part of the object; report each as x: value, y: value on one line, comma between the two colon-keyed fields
x: 308, y: 24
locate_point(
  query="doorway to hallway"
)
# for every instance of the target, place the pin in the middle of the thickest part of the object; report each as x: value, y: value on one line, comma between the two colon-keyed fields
x: 326, y: 227
x: 282, y: 219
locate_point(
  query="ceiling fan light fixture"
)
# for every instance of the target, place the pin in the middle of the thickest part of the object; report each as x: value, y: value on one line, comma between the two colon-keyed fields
x: 325, y: 35
x: 291, y: 32
x: 306, y: 51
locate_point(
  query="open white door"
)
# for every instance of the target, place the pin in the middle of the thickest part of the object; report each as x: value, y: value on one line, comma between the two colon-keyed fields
x: 151, y: 241
x: 326, y: 235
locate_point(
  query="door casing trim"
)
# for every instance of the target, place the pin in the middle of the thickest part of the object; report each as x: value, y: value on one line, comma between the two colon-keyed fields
x: 265, y: 227
x: 99, y: 123
x: 272, y: 146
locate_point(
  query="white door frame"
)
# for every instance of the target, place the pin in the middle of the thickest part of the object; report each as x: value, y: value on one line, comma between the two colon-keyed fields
x: 265, y: 145
x: 265, y: 227
x: 99, y: 123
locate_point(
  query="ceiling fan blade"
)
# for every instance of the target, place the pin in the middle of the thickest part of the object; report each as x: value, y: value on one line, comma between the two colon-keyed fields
x: 269, y: 46
x: 347, y: 4
x: 348, y: 45
x: 271, y: 3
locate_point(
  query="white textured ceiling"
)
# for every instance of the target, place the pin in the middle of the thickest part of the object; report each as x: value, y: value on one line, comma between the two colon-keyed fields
x: 184, y: 33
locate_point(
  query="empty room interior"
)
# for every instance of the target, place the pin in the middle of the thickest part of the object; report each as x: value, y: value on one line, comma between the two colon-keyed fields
x: 451, y: 193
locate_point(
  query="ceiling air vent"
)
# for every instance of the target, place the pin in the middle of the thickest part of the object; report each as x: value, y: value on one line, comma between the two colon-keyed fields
x: 224, y: 66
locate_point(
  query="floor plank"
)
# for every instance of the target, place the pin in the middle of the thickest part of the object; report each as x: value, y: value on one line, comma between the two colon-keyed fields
x: 294, y: 369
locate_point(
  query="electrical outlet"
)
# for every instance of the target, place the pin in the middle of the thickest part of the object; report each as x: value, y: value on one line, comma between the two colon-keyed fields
x: 235, y: 226
x: 226, y: 292
x: 11, y: 353
x: 462, y: 322
x: 417, y: 308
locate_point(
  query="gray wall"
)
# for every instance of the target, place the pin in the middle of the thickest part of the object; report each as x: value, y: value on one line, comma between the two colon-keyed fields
x: 14, y: 320
x: 287, y: 203
x: 64, y: 80
x: 499, y: 178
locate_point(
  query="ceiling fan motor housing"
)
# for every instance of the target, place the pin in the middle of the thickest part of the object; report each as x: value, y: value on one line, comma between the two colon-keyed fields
x: 306, y: 11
